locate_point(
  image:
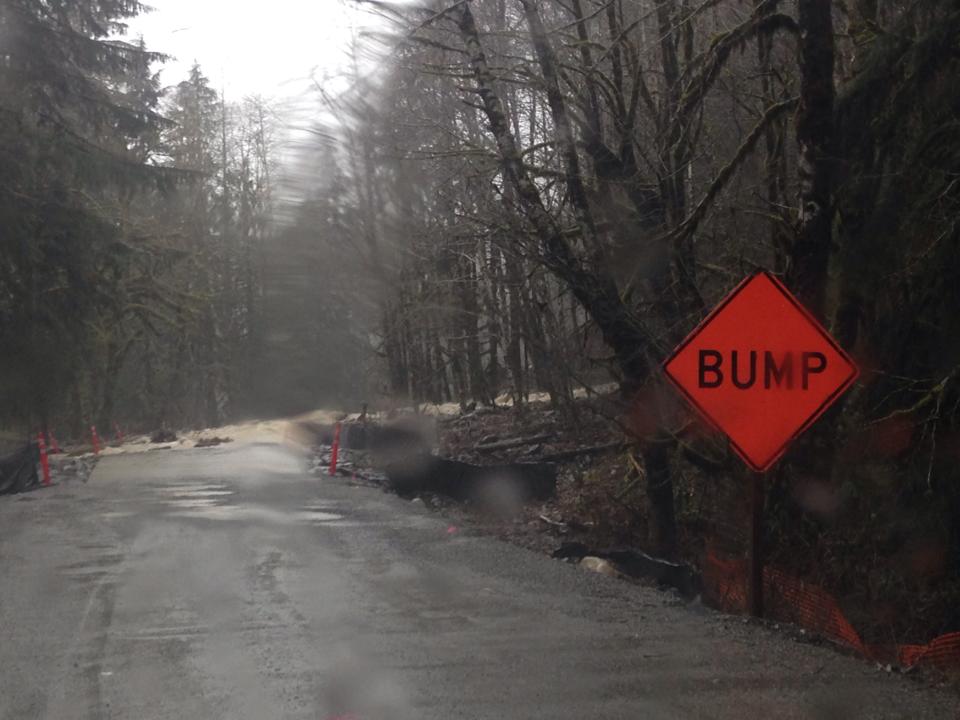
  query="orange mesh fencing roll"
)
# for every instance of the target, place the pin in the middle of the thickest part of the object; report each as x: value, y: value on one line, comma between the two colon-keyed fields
x: 790, y: 599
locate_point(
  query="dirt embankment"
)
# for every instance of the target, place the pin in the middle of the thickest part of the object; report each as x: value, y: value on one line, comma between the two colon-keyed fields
x: 595, y: 500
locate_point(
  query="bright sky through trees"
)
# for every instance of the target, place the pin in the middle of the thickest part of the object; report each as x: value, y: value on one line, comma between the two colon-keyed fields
x: 248, y: 46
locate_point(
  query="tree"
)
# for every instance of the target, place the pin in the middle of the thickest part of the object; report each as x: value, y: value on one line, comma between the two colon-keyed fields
x: 74, y: 131
x: 643, y: 165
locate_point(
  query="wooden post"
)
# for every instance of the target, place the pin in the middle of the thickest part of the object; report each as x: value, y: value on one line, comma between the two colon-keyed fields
x: 757, y: 497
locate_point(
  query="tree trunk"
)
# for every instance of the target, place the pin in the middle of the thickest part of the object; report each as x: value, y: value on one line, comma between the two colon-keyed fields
x: 593, y: 286
x: 816, y: 138
x: 514, y: 350
x: 663, y: 524
x: 494, y: 313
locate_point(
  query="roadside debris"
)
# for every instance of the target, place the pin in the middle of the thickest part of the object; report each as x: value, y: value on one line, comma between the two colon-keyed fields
x: 163, y: 436
x: 513, y: 443
x: 637, y: 565
x: 486, y: 485
x: 18, y: 470
x: 561, y: 526
x: 512, y: 475
x: 532, y: 432
x: 599, y: 565
x: 211, y: 441
x: 69, y: 468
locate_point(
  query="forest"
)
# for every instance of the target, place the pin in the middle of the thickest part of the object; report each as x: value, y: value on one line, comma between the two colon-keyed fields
x: 507, y: 197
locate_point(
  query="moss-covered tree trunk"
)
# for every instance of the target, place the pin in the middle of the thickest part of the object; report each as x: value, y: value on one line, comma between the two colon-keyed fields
x: 816, y: 139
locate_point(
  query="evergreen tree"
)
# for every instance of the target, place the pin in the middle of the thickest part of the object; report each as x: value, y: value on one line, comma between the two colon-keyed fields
x: 73, y: 129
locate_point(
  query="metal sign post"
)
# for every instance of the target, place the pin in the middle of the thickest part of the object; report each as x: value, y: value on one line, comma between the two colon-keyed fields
x: 755, y: 588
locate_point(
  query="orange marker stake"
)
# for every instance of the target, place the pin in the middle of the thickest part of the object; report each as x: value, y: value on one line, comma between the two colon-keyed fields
x: 335, y: 450
x: 44, y: 461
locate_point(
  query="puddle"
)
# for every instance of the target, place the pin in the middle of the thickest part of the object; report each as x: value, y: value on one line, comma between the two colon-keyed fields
x: 203, y: 497
x: 193, y: 489
x: 211, y: 512
x: 203, y: 493
x: 98, y: 562
x: 194, y: 503
x: 208, y: 503
x: 320, y: 515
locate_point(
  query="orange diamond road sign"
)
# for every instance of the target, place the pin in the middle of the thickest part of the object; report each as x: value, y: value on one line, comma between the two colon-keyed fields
x: 760, y: 369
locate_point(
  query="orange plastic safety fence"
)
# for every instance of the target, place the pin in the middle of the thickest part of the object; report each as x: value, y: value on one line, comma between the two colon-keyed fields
x: 725, y: 582
x: 790, y: 599
x: 810, y: 607
x: 942, y: 652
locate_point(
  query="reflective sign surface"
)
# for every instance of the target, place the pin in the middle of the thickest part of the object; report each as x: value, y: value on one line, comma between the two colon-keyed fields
x: 760, y: 369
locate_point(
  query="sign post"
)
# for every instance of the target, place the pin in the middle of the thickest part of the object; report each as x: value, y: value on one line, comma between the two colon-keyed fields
x: 755, y: 588
x: 761, y: 370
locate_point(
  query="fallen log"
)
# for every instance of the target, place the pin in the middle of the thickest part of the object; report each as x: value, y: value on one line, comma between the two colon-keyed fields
x: 512, y: 443
x: 553, y: 523
x: 561, y: 455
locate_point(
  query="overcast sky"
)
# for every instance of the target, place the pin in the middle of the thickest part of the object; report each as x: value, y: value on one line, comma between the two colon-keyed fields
x: 268, y: 47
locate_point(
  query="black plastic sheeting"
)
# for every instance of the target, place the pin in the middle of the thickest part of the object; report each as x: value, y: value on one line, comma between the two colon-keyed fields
x: 18, y: 470
x: 462, y: 481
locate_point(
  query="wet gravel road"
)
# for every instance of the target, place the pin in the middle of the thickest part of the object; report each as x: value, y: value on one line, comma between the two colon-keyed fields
x: 227, y: 583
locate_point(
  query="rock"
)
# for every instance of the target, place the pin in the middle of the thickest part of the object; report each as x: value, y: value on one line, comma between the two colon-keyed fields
x: 599, y: 565
x: 635, y: 564
x: 162, y: 436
